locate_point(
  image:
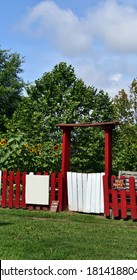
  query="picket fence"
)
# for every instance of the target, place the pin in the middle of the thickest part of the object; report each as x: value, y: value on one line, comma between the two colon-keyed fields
x: 120, y: 202
x: 85, y: 192
x: 13, y: 188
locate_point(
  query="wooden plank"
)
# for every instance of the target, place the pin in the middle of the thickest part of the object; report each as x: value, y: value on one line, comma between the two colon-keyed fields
x: 74, y: 192
x: 60, y: 191
x: 133, y: 198
x: 123, y: 204
x: 23, y: 190
x: 11, y: 190
x: 4, y: 188
x: 69, y: 188
x: 84, y: 183
x: 98, y: 193
x: 101, y: 193
x: 53, y: 186
x: 54, y: 206
x: 80, y: 192
x: 17, y: 200
x: 93, y: 192
x: 115, y: 203
x: 106, y: 197
x: 88, y: 194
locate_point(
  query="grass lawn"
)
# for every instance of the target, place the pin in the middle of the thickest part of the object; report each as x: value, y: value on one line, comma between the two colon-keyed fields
x: 33, y: 235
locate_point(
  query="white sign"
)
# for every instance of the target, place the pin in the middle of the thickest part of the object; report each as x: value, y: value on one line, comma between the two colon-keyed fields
x: 37, y: 189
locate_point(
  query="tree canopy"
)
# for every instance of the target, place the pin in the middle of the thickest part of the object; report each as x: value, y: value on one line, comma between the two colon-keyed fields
x: 11, y: 84
x: 30, y: 139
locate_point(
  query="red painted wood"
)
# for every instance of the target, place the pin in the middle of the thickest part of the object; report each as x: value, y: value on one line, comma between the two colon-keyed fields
x: 106, y: 197
x: 46, y: 173
x: 4, y: 188
x: 31, y: 207
x: 38, y: 208
x: 11, y: 189
x: 53, y: 186
x: 133, y: 198
x: 17, y: 200
x: 66, y: 149
x: 115, y: 203
x: 60, y: 191
x: 108, y: 154
x: 104, y: 125
x: 123, y: 204
x: 23, y: 204
x: 66, y: 142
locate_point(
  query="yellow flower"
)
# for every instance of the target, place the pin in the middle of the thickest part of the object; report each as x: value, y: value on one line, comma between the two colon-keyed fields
x: 26, y: 145
x: 31, y: 150
x: 3, y: 142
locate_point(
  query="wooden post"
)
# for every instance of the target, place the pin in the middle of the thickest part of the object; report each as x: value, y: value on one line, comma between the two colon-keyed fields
x: 108, y: 154
x: 66, y: 141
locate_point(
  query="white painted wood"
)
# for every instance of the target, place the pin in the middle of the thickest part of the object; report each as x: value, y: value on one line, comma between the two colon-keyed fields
x: 37, y: 189
x: 74, y: 192
x: 84, y: 183
x: 93, y: 191
x: 101, y: 194
x: 85, y: 192
x: 80, y: 192
x: 88, y: 194
x: 70, y: 190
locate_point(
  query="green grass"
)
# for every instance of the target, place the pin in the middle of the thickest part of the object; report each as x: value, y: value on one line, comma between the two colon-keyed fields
x: 33, y: 235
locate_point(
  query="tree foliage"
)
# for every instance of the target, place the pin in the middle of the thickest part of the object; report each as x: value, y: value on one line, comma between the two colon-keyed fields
x: 60, y: 97
x: 30, y: 139
x: 11, y: 84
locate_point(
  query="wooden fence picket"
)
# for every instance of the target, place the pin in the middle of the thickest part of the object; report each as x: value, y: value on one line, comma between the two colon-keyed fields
x: 13, y: 190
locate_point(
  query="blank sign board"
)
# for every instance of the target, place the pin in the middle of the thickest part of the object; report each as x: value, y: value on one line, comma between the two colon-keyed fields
x: 37, y: 189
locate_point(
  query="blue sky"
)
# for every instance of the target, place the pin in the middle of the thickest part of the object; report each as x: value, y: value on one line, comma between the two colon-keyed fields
x: 98, y: 37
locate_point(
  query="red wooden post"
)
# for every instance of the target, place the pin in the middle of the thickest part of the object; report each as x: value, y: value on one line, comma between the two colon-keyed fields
x: 106, y: 197
x: 4, y: 188
x: 11, y: 180
x: 66, y: 149
x: 17, y: 201
x: 108, y: 154
x: 133, y: 198
x: 53, y: 186
x: 23, y: 189
x: 60, y: 191
x: 66, y: 141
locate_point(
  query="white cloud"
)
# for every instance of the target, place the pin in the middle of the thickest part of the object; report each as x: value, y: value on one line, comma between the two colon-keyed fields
x: 61, y: 27
x: 113, y: 23
x: 116, y: 77
x: 116, y: 26
x: 101, y: 45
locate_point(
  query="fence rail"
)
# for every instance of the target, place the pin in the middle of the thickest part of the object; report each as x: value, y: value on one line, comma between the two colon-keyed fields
x: 13, y: 189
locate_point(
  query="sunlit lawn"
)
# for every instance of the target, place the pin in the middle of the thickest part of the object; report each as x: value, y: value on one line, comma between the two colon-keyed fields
x: 43, y: 235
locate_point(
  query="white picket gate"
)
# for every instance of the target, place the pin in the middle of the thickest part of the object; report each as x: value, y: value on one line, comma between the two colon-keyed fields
x: 85, y: 192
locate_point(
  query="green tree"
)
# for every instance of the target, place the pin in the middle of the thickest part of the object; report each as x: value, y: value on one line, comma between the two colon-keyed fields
x: 123, y: 107
x: 125, y: 136
x: 11, y: 84
x: 60, y: 97
x: 133, y: 98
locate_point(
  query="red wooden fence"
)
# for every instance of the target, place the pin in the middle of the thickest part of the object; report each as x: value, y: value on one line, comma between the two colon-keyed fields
x: 120, y: 202
x: 13, y: 190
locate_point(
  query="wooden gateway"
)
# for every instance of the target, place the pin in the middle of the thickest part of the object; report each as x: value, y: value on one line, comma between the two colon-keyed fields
x: 66, y: 144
